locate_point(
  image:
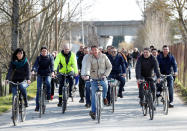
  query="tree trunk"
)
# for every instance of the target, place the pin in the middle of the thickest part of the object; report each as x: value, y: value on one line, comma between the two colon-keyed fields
x: 15, y: 24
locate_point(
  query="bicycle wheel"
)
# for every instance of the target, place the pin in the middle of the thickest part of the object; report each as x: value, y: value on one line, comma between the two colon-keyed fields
x: 113, y: 98
x: 144, y: 106
x: 150, y: 106
x: 64, y: 103
x: 165, y: 100
x: 22, y: 109
x: 15, y: 110
x: 98, y: 107
x: 40, y: 103
x: 43, y: 100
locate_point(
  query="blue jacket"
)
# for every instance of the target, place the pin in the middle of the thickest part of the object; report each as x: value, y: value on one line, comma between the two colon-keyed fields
x: 44, y: 65
x: 118, y: 65
x: 167, y: 64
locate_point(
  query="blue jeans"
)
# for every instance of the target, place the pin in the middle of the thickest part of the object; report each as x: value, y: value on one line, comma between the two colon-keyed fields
x: 39, y: 84
x: 170, y: 87
x: 87, y: 85
x: 94, y: 88
x: 22, y: 87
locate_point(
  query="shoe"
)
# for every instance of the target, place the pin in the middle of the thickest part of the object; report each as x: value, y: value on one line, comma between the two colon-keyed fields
x: 120, y: 95
x: 158, y: 94
x: 92, y: 114
x: 59, y: 104
x: 26, y: 103
x: 37, y: 109
x: 52, y: 97
x: 70, y: 95
x: 48, y: 97
x: 81, y: 100
x: 105, y: 101
x: 171, y: 105
x: 87, y: 105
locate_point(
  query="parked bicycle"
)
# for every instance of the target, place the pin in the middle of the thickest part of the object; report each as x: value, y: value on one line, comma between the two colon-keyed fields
x: 18, y: 107
x: 147, y: 100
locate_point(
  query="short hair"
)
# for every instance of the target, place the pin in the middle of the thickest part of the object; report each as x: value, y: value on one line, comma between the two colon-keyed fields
x: 94, y: 46
x: 164, y: 46
x: 154, y: 49
x: 43, y: 47
x: 86, y: 47
x: 148, y: 49
x: 152, y: 46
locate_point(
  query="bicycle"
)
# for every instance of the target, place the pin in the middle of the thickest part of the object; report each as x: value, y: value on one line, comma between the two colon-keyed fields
x: 164, y: 94
x: 18, y: 107
x: 42, y: 97
x: 147, y: 100
x: 65, y: 90
x: 99, y: 103
x: 113, y: 92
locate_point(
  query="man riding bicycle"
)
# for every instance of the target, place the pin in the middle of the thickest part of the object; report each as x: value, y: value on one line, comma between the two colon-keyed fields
x: 166, y: 63
x: 118, y: 70
x: 44, y: 68
x: 66, y: 60
x: 145, y: 67
x: 98, y: 68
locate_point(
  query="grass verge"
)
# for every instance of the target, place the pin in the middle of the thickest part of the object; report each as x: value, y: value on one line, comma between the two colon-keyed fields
x: 181, y: 90
x: 6, y: 101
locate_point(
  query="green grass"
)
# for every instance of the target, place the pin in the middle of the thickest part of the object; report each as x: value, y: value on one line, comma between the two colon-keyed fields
x: 181, y: 90
x: 6, y: 101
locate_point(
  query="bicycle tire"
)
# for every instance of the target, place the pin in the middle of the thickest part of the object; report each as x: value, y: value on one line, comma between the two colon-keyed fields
x: 15, y: 110
x: 40, y: 104
x: 64, y: 103
x: 113, y: 99
x: 150, y: 106
x: 43, y: 100
x: 98, y: 109
x: 144, y: 106
x: 165, y: 100
x: 22, y: 109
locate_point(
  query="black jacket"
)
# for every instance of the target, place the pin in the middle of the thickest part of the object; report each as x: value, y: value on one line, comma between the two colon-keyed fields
x: 145, y: 67
x: 44, y: 65
x: 18, y: 70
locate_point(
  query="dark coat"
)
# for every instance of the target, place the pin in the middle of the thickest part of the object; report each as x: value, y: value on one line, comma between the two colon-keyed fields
x: 44, y: 65
x: 145, y: 67
x: 18, y: 70
x: 118, y: 65
x: 167, y: 63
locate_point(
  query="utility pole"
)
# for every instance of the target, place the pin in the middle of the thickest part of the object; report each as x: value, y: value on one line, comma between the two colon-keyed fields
x: 69, y: 24
x: 15, y: 25
x: 56, y: 27
x: 82, y: 24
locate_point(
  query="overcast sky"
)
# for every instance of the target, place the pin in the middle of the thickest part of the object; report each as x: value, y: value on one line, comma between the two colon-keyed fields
x: 113, y: 10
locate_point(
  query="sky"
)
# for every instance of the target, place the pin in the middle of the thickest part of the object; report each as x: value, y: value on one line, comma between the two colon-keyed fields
x: 112, y: 10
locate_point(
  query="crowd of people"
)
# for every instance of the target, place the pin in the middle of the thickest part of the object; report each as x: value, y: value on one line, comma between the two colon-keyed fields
x: 90, y: 64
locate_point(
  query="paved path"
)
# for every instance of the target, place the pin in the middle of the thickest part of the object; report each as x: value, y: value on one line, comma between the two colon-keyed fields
x: 127, y: 116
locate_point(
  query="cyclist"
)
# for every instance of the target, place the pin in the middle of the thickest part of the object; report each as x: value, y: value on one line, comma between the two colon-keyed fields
x: 154, y: 52
x: 129, y: 61
x: 81, y: 81
x: 18, y: 72
x: 146, y: 66
x: 98, y: 67
x: 135, y: 56
x: 167, y: 63
x: 87, y: 81
x: 43, y: 65
x: 118, y: 70
x: 66, y: 60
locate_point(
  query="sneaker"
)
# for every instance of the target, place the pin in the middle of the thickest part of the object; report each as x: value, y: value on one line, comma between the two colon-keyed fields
x: 120, y: 95
x: 59, y: 104
x: 171, y: 105
x: 92, y: 114
x: 37, y: 109
x: 81, y: 100
x: 52, y: 97
x: 87, y: 105
x: 105, y: 101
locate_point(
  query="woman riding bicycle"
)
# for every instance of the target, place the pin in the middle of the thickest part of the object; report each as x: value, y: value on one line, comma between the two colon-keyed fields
x: 19, y: 71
